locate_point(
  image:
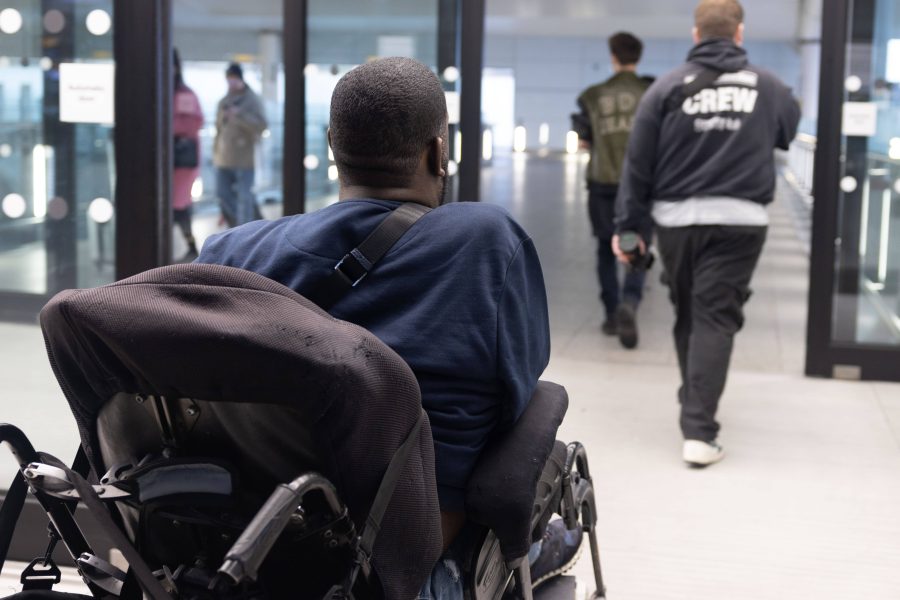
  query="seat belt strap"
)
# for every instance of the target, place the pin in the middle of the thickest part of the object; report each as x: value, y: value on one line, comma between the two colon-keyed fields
x: 136, y: 564
x: 357, y: 263
x: 13, y: 503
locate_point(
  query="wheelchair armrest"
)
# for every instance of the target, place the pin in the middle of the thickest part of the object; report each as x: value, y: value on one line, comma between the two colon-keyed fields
x: 502, y: 493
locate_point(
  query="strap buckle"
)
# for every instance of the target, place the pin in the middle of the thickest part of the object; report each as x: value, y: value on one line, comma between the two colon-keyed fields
x: 348, y: 271
x: 40, y: 574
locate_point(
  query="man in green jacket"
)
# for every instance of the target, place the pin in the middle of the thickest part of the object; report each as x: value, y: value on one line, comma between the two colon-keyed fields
x: 240, y: 121
x: 607, y: 114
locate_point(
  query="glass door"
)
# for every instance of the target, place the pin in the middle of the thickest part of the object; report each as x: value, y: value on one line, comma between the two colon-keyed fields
x: 854, y: 321
x: 867, y: 290
x: 57, y: 209
x: 341, y: 35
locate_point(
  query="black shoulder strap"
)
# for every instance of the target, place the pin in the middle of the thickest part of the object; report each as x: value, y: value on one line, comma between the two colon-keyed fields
x: 152, y: 588
x: 10, y: 512
x: 356, y: 264
x: 702, y: 80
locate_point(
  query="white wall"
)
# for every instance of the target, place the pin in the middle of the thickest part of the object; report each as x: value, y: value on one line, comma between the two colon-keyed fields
x: 550, y: 72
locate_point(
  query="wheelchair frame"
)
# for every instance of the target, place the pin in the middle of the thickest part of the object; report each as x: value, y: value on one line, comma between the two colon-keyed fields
x: 491, y: 577
x: 59, y: 490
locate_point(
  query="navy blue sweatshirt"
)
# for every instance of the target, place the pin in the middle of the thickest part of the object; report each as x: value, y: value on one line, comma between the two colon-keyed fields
x: 460, y: 298
x: 719, y: 142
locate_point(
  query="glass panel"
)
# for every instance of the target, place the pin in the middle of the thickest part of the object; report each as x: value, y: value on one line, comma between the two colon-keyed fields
x: 342, y: 35
x: 239, y: 130
x: 867, y: 302
x: 57, y: 210
x: 56, y: 157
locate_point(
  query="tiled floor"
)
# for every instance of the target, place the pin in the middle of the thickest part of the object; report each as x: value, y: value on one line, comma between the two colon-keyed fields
x: 806, y: 504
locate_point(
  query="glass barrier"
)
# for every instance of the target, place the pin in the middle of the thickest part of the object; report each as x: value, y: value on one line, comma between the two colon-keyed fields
x: 867, y: 291
x: 57, y: 209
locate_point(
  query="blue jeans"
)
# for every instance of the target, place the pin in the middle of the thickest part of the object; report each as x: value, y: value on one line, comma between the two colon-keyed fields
x: 602, y: 208
x: 234, y: 189
x: 445, y: 581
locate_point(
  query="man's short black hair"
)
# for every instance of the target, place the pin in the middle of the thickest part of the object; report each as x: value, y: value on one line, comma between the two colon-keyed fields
x: 384, y: 114
x: 626, y: 48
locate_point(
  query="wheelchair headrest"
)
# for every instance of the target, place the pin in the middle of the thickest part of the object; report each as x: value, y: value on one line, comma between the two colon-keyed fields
x: 224, y: 335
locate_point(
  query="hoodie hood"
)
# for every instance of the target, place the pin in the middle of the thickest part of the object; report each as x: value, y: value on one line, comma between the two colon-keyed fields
x: 719, y: 54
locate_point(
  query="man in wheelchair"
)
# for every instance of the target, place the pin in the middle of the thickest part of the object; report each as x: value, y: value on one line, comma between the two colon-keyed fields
x: 460, y: 297
x: 221, y: 359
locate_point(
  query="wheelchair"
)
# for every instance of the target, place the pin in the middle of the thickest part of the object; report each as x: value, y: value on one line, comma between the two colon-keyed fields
x: 237, y: 442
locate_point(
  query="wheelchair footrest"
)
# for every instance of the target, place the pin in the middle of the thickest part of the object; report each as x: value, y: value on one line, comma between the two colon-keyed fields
x: 558, y: 588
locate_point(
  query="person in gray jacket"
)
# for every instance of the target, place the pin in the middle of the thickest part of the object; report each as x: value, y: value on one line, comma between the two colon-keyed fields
x: 700, y: 160
x: 240, y: 121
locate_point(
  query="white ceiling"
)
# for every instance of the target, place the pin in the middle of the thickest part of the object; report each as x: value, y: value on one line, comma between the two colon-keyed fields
x: 766, y: 19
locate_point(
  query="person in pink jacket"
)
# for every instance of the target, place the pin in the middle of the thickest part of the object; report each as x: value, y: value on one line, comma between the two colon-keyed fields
x: 187, y: 120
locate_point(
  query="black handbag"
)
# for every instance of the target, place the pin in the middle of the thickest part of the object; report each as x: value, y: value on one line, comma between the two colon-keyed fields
x: 185, y: 153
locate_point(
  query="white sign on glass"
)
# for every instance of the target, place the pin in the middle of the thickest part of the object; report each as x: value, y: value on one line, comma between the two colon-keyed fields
x: 452, y: 107
x: 860, y: 119
x: 86, y: 93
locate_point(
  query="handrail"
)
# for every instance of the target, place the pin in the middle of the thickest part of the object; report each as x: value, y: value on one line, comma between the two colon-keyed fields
x: 801, y: 163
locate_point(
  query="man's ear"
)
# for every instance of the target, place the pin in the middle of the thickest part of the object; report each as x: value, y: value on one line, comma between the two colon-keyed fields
x: 695, y: 33
x: 328, y: 136
x: 739, y: 35
x: 435, y: 157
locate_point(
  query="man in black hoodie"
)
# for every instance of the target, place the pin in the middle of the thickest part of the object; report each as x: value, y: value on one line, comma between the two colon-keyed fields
x: 700, y: 161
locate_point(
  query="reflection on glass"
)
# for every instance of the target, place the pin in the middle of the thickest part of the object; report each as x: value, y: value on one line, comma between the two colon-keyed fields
x: 239, y: 171
x: 46, y: 163
x: 98, y: 22
x: 867, y: 300
x: 10, y: 21
x: 498, y: 109
x: 343, y: 35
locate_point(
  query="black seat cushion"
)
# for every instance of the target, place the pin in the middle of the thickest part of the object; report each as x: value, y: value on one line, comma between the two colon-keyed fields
x: 504, y: 486
x: 233, y: 338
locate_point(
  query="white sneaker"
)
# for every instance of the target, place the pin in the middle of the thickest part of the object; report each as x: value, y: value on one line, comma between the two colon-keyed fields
x: 700, y: 454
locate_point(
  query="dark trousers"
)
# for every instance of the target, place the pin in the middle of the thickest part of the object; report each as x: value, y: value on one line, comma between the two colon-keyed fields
x: 602, y: 211
x: 709, y: 270
x: 182, y: 218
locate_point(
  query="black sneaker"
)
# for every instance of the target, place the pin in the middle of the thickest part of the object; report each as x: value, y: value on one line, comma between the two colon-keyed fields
x: 559, y: 552
x: 609, y: 327
x: 626, y: 325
